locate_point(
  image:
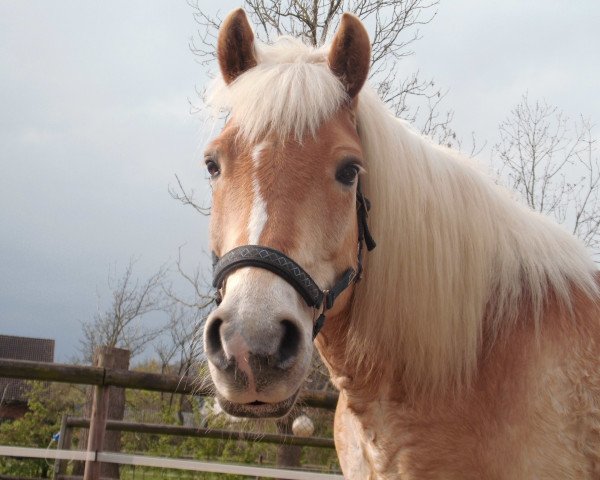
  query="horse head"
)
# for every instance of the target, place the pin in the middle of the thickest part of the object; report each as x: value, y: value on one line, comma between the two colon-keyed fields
x: 288, y: 217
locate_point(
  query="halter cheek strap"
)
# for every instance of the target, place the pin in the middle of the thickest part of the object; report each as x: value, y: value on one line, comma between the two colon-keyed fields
x: 280, y: 264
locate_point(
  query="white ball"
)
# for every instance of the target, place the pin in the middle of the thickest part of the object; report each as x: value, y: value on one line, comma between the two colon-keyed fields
x: 303, y: 426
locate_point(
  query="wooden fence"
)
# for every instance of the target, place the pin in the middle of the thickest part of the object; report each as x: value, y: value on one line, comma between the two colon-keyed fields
x: 156, y: 382
x: 103, y: 376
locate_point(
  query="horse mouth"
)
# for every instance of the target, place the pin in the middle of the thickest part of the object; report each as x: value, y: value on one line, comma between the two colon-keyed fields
x: 258, y: 409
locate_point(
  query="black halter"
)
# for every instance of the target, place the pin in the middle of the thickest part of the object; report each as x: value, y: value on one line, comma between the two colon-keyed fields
x: 280, y: 264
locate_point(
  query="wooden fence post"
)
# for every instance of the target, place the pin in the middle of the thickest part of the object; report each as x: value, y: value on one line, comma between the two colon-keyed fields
x: 64, y: 443
x: 116, y: 411
x: 97, y: 424
x: 98, y: 417
x: 287, y: 455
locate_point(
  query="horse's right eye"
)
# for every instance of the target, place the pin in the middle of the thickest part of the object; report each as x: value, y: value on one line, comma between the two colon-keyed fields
x: 213, y: 168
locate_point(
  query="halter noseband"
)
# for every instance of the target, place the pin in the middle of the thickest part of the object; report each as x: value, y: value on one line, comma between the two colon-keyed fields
x: 280, y: 264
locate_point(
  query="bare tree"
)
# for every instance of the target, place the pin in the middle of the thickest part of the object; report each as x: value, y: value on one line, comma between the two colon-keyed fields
x: 187, y: 197
x: 120, y: 325
x: 197, y: 299
x: 394, y: 26
x: 183, y: 349
x: 188, y: 313
x: 182, y: 352
x: 552, y: 162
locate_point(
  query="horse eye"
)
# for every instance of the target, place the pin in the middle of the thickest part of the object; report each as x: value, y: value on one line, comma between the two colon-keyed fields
x: 347, y: 174
x: 213, y: 168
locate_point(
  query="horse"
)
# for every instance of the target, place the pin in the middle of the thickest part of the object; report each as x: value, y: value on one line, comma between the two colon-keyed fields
x: 465, y: 345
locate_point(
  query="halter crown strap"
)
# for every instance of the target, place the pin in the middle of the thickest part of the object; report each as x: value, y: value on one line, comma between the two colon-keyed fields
x: 362, y: 210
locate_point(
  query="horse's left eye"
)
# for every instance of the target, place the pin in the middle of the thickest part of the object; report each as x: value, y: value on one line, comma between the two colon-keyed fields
x: 347, y: 174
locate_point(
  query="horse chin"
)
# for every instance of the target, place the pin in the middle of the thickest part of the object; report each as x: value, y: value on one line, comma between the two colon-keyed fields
x: 258, y: 409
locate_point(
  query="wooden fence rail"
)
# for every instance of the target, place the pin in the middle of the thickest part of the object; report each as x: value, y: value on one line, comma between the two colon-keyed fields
x: 83, y: 375
x: 152, y: 428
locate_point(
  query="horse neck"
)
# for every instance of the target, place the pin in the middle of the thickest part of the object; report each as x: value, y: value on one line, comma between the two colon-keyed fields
x: 356, y: 379
x: 457, y: 259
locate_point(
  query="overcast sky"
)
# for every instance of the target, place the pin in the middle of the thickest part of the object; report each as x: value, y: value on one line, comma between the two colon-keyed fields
x: 95, y: 122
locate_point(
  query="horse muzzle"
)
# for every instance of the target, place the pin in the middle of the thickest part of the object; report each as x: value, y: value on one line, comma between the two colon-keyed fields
x: 258, y: 351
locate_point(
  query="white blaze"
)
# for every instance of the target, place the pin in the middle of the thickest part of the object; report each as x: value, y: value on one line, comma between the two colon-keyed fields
x: 258, y: 214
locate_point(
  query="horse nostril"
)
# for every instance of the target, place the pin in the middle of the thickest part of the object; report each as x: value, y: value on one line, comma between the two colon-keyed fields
x: 214, y: 347
x: 289, y: 345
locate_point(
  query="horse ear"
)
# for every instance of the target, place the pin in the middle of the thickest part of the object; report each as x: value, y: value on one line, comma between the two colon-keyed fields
x: 350, y: 54
x: 235, y: 46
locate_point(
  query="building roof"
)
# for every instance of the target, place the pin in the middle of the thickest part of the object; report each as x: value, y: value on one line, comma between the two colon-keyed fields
x: 22, y: 348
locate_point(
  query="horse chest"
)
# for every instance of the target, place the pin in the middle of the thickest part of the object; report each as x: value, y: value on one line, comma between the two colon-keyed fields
x: 379, y: 443
x: 545, y: 429
x: 389, y: 441
x: 358, y: 447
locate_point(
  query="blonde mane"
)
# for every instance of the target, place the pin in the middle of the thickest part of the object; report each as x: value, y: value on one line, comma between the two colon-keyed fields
x: 457, y: 256
x: 290, y: 92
